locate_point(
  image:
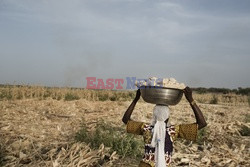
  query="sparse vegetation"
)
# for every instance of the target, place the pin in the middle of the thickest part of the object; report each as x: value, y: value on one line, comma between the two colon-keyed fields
x: 8, y: 92
x: 70, y: 97
x: 247, y: 118
x: 113, y: 98
x: 200, y: 100
x: 214, y: 100
x: 2, y: 153
x: 245, y: 131
x: 5, y: 94
x: 114, y: 137
x: 48, y: 124
x: 103, y: 96
x: 202, y: 136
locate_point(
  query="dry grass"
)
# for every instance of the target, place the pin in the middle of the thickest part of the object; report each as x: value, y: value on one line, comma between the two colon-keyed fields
x: 38, y: 128
x: 42, y: 93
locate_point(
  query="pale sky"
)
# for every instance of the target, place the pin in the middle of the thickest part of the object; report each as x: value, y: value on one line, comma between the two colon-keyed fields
x: 61, y: 42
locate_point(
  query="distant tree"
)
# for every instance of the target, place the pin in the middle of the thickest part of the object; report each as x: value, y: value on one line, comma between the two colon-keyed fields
x: 243, y: 91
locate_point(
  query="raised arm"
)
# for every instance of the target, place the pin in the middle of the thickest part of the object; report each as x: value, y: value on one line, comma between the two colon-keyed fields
x: 200, y: 120
x: 130, y: 109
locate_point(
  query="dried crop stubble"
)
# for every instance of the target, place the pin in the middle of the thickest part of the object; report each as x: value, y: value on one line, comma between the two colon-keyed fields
x: 41, y: 132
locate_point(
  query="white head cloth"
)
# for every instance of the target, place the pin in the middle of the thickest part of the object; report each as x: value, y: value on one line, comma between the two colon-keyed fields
x: 160, y: 114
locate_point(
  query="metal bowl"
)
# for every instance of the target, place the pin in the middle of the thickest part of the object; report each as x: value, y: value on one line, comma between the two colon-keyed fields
x: 161, y: 95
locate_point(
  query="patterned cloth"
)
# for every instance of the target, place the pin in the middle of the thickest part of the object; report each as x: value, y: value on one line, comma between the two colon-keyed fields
x: 185, y: 131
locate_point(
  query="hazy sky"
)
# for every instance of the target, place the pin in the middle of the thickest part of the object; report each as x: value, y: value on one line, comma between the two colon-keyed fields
x: 61, y: 42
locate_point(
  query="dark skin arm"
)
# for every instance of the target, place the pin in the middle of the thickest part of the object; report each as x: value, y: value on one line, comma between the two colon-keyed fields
x: 200, y: 120
x: 130, y: 109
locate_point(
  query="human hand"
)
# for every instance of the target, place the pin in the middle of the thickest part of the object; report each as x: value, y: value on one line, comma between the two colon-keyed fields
x: 188, y: 94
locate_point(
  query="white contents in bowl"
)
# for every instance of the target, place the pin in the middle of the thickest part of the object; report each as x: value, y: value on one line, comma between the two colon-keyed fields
x: 160, y: 82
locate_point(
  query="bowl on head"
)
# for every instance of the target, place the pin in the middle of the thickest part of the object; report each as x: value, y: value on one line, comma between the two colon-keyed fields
x: 161, y: 95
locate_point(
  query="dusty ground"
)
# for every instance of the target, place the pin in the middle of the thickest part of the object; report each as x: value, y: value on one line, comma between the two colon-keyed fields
x: 41, y: 132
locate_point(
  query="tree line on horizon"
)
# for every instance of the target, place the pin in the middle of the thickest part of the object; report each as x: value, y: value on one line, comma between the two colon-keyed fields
x: 239, y: 90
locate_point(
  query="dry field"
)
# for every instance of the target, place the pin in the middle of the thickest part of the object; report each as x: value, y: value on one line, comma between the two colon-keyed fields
x: 38, y: 128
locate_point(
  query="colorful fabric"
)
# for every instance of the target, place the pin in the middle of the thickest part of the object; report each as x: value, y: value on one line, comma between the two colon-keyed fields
x: 185, y: 131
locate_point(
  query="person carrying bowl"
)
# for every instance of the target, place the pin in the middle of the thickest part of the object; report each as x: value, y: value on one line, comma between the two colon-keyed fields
x: 159, y: 136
